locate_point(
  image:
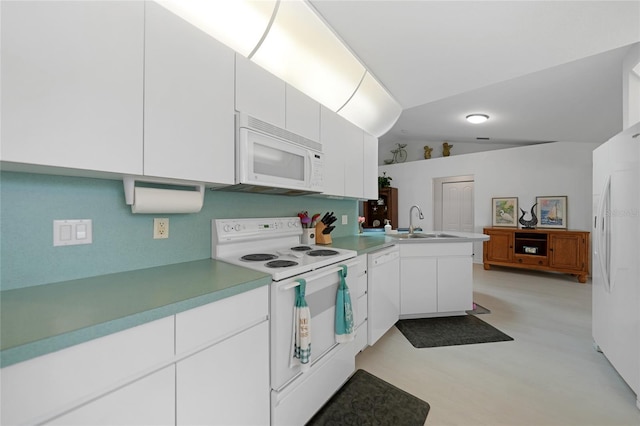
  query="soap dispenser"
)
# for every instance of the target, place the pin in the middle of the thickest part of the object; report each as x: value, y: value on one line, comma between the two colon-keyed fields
x: 387, y: 226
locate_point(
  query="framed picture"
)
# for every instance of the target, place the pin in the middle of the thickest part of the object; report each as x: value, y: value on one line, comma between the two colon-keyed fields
x: 505, y: 211
x: 552, y: 212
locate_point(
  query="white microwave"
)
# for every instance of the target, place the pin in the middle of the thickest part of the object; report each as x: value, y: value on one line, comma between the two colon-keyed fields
x: 274, y: 160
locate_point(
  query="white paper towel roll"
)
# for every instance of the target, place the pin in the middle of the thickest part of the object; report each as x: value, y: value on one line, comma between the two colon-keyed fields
x: 155, y: 200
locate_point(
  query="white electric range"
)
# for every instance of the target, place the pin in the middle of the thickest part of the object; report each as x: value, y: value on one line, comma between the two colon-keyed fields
x: 272, y: 245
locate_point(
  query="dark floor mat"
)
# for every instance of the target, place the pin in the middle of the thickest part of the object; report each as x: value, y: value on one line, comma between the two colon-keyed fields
x: 368, y: 400
x: 449, y: 331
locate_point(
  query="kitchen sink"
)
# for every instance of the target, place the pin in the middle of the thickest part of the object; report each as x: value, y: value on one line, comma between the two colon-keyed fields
x: 423, y: 235
x: 405, y: 236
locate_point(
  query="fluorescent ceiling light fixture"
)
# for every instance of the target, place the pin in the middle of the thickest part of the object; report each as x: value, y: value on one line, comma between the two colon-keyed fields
x: 288, y: 39
x: 240, y: 24
x: 477, y: 118
x: 304, y: 52
x: 372, y: 108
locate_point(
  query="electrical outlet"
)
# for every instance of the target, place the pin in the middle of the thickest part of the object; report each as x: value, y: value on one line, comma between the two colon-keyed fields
x: 160, y: 228
x: 345, y: 219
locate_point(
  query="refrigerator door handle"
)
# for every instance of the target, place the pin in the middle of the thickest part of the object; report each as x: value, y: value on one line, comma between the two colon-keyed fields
x: 601, y: 236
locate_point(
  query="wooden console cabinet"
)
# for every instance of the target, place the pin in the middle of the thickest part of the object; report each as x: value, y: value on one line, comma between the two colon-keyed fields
x: 540, y: 249
x: 385, y: 207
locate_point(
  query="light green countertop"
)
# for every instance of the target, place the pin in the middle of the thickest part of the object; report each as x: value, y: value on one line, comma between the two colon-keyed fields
x: 38, y: 320
x: 46, y: 318
x: 363, y: 243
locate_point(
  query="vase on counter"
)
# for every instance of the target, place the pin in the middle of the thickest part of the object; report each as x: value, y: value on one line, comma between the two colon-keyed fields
x: 360, y: 228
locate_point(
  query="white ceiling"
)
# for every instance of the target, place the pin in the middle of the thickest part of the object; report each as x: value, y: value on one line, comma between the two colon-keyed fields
x: 543, y: 70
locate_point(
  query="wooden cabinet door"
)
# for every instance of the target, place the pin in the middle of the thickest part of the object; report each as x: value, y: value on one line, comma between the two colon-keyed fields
x: 565, y: 251
x: 189, y: 114
x: 499, y: 248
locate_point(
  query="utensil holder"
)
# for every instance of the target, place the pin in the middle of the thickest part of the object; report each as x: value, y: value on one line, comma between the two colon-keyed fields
x: 320, y: 237
x: 309, y: 236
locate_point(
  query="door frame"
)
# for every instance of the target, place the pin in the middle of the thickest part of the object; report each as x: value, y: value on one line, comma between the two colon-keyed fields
x: 437, y: 196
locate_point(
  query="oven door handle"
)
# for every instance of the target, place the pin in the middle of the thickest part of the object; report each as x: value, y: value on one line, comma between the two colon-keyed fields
x: 325, y: 272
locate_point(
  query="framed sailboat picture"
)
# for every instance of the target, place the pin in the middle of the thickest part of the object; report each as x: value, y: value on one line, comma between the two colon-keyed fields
x: 552, y: 212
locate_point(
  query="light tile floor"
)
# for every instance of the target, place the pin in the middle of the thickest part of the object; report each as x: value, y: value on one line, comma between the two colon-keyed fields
x: 549, y: 375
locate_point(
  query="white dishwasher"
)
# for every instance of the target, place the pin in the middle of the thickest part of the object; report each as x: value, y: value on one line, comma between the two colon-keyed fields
x: 383, y: 306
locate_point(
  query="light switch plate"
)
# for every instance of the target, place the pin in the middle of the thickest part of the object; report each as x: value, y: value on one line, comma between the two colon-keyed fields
x: 72, y: 232
x: 345, y: 219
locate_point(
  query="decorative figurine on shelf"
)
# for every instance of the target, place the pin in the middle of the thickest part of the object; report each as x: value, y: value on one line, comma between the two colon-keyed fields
x: 531, y: 223
x: 360, y: 224
x: 427, y: 152
x: 384, y: 181
x: 446, y: 149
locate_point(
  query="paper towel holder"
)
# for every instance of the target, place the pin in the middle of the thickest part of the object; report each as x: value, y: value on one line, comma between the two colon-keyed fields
x: 129, y: 183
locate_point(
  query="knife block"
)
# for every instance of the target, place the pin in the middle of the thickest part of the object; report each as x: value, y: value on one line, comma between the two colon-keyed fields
x: 320, y: 237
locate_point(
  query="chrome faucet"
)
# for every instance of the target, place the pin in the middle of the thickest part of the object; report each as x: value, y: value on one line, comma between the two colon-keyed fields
x: 420, y: 215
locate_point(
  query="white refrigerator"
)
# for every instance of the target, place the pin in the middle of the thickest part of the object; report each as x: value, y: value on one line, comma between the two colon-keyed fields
x: 616, y: 253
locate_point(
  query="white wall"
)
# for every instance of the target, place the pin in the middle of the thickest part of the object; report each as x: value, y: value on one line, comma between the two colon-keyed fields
x: 415, y: 149
x: 631, y: 88
x: 560, y: 168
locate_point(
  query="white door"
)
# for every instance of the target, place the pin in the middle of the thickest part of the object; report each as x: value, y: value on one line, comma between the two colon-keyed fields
x: 457, y: 206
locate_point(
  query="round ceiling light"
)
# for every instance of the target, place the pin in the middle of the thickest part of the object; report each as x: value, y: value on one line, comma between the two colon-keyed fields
x: 477, y: 118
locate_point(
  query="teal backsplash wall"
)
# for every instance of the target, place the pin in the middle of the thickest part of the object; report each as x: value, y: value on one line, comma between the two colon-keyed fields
x: 122, y: 241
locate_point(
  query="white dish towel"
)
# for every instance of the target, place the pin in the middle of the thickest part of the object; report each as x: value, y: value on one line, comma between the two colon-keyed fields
x: 301, y: 348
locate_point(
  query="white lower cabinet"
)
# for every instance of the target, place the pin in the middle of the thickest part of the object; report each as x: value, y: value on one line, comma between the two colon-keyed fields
x: 208, y: 365
x: 418, y: 285
x: 149, y: 401
x: 228, y: 383
x: 435, y: 278
x: 89, y: 377
x: 359, y: 303
x: 223, y: 372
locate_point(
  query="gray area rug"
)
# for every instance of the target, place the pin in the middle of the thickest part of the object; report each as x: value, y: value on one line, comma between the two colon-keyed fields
x: 477, y: 309
x: 449, y: 331
x: 368, y: 400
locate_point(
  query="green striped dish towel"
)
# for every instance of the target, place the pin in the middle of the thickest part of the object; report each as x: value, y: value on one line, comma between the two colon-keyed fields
x: 344, y: 311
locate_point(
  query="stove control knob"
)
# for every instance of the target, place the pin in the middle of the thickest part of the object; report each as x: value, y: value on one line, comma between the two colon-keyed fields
x: 227, y: 228
x: 237, y: 227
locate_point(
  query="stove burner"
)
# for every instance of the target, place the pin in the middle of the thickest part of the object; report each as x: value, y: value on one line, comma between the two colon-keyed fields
x: 300, y: 248
x: 322, y: 252
x: 281, y: 263
x: 260, y: 257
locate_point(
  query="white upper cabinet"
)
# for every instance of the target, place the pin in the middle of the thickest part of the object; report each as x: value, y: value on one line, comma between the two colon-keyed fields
x: 265, y: 97
x: 189, y: 95
x: 370, y: 165
x: 259, y: 93
x: 72, y: 81
x: 354, y: 166
x: 342, y: 143
x: 331, y: 126
x: 302, y: 114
